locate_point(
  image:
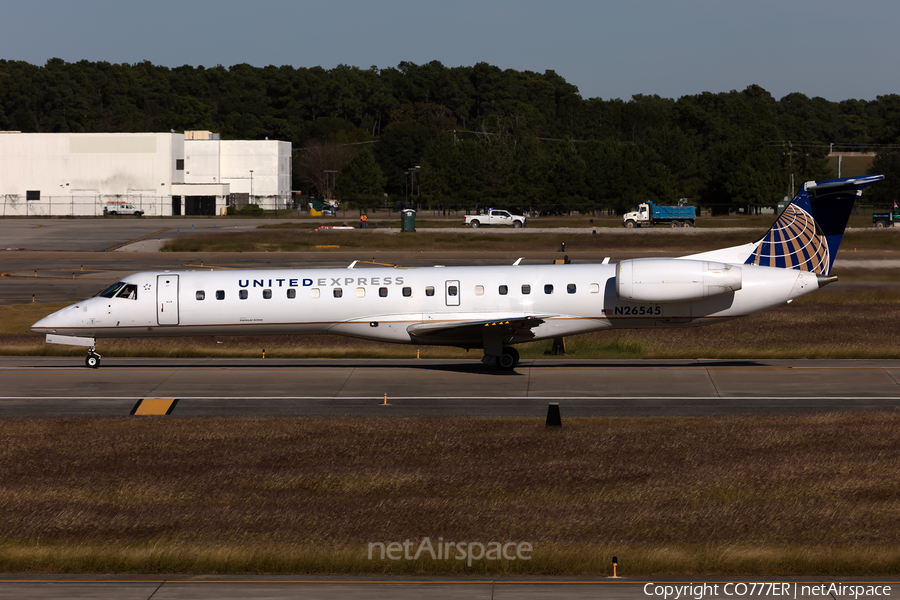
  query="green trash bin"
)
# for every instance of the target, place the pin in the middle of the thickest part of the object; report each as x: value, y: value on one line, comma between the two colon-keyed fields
x: 407, y: 220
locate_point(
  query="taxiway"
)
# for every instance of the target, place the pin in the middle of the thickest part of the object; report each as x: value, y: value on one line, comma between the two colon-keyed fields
x: 62, y: 386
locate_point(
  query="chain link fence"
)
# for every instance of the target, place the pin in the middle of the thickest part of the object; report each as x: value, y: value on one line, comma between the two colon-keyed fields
x: 14, y: 205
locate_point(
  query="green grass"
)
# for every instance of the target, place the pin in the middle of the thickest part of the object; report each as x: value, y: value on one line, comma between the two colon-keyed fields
x: 779, y: 495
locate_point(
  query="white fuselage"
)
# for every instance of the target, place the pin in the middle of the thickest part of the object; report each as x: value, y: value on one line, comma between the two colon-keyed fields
x: 386, y: 303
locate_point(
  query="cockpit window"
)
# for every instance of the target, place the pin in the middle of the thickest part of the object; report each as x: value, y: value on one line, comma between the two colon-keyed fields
x: 111, y: 290
x: 129, y: 291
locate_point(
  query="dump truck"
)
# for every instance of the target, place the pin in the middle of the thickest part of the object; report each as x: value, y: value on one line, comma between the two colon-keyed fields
x: 650, y: 213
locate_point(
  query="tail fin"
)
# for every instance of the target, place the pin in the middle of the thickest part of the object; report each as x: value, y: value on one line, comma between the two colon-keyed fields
x: 807, y: 234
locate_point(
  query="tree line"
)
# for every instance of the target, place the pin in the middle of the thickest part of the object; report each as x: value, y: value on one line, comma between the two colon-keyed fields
x: 479, y: 135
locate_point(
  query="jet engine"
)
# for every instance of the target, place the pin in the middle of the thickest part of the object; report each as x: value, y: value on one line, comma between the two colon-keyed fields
x: 674, y: 280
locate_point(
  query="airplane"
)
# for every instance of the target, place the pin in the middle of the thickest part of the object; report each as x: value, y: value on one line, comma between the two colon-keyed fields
x: 482, y: 307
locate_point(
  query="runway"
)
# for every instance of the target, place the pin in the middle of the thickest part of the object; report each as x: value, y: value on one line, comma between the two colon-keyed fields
x: 276, y: 588
x: 62, y: 386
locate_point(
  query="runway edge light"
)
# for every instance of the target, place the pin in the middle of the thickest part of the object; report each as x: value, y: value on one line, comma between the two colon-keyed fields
x: 615, y: 563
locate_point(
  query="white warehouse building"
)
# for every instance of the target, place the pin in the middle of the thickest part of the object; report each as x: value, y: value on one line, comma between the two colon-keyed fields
x: 161, y: 174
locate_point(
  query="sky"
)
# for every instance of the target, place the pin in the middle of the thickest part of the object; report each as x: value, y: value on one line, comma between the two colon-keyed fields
x: 671, y: 48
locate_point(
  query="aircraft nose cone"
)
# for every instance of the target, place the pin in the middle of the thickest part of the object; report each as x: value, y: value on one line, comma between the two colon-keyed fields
x: 49, y: 323
x: 43, y: 325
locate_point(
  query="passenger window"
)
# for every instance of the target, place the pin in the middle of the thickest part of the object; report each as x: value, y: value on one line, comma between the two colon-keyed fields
x: 292, y: 293
x: 267, y: 294
x: 360, y: 292
x: 407, y: 292
x: 526, y: 289
x: 201, y: 295
x: 452, y: 291
x: 242, y: 294
x: 220, y: 294
x: 548, y: 288
x: 570, y: 289
x: 338, y: 293
x: 382, y: 292
x: 479, y: 290
x: 429, y: 291
x: 314, y: 292
x: 595, y: 288
x: 503, y: 290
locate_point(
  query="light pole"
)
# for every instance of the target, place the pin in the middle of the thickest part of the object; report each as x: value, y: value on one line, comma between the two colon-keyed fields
x: 412, y: 179
x: 251, y: 186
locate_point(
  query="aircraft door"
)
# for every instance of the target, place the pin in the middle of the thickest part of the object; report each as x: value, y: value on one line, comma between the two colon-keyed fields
x: 451, y: 292
x: 167, y: 299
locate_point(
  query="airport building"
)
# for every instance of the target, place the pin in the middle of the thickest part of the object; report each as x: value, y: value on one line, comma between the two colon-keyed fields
x: 159, y: 174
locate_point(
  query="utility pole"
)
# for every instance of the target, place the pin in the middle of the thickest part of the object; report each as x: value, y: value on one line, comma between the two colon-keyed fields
x: 791, y: 167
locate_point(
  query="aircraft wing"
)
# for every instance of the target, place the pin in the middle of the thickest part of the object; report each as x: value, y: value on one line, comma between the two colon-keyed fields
x: 471, y: 333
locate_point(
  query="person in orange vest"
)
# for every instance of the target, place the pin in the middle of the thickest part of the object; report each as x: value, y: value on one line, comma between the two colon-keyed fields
x: 362, y: 221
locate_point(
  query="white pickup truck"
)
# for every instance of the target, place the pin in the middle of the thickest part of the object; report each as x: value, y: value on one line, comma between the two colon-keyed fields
x: 121, y: 207
x: 495, y: 217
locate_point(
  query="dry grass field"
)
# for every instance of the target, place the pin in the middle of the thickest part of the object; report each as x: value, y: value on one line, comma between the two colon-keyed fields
x: 810, y: 495
x: 282, y: 238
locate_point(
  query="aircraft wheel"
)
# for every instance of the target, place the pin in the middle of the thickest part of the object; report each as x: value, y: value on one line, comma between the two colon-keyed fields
x: 475, y: 224
x: 514, y: 352
x: 92, y: 361
x: 508, y: 360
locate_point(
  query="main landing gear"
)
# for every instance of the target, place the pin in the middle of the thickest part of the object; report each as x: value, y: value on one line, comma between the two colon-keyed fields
x: 508, y: 360
x: 93, y: 359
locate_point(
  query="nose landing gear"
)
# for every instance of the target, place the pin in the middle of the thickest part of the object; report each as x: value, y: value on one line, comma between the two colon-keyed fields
x: 93, y: 359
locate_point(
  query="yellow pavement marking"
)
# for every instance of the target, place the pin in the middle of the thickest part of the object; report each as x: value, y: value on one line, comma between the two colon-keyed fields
x: 154, y: 406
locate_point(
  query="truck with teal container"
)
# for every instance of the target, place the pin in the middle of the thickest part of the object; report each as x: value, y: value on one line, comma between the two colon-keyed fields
x: 886, y: 219
x: 650, y: 213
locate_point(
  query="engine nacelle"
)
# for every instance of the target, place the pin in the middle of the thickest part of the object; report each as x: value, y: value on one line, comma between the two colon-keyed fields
x: 674, y: 280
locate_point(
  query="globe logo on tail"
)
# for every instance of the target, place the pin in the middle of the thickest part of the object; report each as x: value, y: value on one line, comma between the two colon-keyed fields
x: 793, y: 243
